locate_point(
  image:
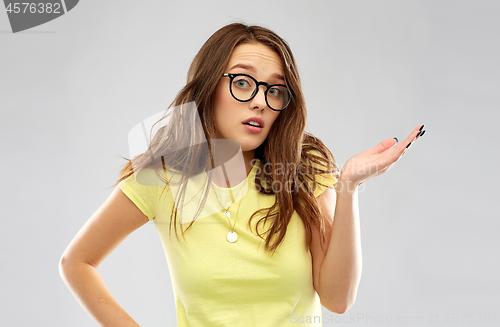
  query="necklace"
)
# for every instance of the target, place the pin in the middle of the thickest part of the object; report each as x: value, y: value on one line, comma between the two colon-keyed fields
x: 231, y: 236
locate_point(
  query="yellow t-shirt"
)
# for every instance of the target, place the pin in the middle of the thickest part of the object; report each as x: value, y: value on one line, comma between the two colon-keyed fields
x: 218, y: 283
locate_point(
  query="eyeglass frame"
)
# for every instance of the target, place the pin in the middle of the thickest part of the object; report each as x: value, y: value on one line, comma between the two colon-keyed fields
x: 257, y: 87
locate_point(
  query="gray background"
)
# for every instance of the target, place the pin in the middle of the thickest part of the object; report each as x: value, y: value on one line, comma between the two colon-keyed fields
x: 71, y: 89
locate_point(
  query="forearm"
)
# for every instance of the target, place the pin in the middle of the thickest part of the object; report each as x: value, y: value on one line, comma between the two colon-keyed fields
x: 341, y: 269
x: 89, y: 289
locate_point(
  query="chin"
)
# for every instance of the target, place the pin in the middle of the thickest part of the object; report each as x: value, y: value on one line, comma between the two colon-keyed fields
x: 249, y: 146
x: 247, y: 143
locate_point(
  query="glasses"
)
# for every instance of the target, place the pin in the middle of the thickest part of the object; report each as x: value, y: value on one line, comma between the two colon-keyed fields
x: 244, y: 88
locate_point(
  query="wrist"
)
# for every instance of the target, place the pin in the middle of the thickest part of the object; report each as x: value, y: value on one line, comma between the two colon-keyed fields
x: 344, y: 184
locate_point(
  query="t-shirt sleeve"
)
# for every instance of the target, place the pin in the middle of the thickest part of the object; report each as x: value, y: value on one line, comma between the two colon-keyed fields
x: 145, y: 197
x: 323, y: 181
x: 326, y: 179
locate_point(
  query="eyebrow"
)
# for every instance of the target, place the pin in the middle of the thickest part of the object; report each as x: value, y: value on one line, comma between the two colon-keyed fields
x: 252, y: 68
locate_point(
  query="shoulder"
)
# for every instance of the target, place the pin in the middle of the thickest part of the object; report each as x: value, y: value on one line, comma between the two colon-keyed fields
x: 313, y: 149
x: 143, y: 188
x: 319, y: 166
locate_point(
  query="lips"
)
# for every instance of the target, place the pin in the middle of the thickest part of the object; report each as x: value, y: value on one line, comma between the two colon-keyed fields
x: 255, y: 119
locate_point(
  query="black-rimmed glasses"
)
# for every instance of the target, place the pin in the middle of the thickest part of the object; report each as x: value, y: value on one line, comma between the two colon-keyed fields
x: 244, y: 88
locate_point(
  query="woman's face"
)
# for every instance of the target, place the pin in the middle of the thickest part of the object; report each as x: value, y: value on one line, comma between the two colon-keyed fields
x: 262, y: 63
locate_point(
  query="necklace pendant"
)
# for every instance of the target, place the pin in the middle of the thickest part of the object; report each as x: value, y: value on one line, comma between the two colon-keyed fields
x: 232, y: 237
x: 228, y: 214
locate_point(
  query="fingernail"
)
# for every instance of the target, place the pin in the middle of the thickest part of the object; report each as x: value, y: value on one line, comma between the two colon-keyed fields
x: 421, y: 128
x: 422, y: 133
x: 408, y: 145
x: 418, y: 134
x: 396, y: 140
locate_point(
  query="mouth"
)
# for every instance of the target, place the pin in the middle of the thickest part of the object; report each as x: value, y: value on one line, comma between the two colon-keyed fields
x: 252, y: 125
x: 256, y: 122
x: 253, y: 129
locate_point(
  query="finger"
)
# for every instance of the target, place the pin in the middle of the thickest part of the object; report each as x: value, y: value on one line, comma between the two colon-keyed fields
x: 412, y: 137
x: 420, y: 134
x: 399, y: 156
x: 386, y: 145
x: 397, y: 141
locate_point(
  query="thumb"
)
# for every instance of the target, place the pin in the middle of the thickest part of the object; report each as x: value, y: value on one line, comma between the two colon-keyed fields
x: 386, y: 145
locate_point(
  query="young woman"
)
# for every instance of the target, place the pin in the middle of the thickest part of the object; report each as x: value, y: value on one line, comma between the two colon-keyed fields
x: 274, y: 233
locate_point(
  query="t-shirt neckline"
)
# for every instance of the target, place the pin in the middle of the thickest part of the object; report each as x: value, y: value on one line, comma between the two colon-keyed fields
x: 242, y: 183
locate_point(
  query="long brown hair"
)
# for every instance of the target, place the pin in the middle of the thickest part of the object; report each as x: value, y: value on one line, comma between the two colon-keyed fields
x: 287, y: 145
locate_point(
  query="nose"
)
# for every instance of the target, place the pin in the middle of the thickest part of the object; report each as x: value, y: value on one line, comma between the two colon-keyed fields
x: 259, y: 100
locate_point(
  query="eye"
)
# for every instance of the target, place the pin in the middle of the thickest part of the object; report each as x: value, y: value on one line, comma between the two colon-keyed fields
x: 242, y: 82
x: 275, y: 92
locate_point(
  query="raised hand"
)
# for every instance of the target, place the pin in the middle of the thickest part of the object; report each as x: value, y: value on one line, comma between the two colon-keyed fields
x: 377, y: 160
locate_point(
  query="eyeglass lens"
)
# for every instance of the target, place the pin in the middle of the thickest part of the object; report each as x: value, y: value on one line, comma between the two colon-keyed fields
x: 243, y: 88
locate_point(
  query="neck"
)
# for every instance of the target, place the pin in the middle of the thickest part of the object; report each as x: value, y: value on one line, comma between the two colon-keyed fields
x: 248, y: 156
x: 233, y: 173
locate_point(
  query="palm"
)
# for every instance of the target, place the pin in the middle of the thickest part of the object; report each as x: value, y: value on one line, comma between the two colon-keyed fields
x: 377, y: 160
